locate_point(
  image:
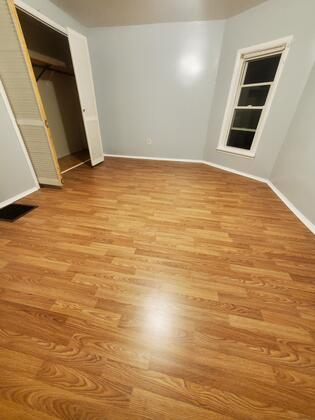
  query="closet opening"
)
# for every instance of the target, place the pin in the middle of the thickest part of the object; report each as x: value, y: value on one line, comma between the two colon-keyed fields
x: 51, y: 60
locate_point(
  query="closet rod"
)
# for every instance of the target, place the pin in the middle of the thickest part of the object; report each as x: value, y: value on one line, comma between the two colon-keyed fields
x: 53, y: 69
x: 41, y: 73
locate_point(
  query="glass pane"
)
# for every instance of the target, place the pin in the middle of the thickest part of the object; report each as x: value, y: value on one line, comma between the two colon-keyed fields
x: 262, y: 69
x: 255, y: 96
x: 241, y: 139
x: 246, y: 118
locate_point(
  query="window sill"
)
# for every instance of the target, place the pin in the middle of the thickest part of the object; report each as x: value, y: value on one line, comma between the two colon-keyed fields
x: 238, y: 152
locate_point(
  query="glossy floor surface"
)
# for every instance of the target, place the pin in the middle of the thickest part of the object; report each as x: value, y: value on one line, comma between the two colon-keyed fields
x: 155, y: 290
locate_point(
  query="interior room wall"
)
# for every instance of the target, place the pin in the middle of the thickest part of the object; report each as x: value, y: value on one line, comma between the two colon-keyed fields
x: 155, y: 82
x: 294, y: 171
x: 16, y: 176
x: 62, y: 106
x: 269, y: 21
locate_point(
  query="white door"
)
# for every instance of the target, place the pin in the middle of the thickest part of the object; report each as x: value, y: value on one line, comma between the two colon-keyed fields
x: 83, y: 74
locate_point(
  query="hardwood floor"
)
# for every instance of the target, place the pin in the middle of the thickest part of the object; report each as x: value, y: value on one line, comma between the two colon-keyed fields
x: 157, y: 290
x: 73, y: 160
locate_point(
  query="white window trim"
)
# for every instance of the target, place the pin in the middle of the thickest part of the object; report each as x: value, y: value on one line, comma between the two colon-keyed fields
x: 234, y: 93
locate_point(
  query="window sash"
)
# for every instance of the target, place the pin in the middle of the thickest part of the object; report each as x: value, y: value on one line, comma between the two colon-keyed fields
x: 264, y: 52
x: 245, y: 59
x: 237, y: 83
x: 248, y: 107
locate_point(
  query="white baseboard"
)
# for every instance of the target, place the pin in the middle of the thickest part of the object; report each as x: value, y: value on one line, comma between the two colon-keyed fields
x: 224, y: 168
x: 234, y: 171
x: 18, y: 197
x: 153, y: 158
x: 282, y: 197
x: 292, y: 207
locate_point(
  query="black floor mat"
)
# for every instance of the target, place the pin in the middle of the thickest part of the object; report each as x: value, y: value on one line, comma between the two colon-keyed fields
x: 13, y: 212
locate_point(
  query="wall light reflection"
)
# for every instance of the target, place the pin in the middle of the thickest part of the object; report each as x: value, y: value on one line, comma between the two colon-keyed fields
x: 191, y: 67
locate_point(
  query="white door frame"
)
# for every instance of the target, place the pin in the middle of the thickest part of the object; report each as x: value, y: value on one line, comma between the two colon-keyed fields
x: 40, y: 16
x: 64, y: 31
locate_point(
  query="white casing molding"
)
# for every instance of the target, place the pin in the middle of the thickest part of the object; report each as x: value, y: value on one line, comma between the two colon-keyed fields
x: 40, y: 16
x: 282, y: 197
x: 235, y: 89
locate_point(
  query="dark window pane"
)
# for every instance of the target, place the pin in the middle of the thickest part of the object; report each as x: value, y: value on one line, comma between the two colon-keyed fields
x: 255, y: 96
x: 246, y: 118
x: 241, y: 139
x: 262, y: 69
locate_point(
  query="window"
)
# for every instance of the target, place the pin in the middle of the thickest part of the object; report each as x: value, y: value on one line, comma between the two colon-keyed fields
x: 257, y: 71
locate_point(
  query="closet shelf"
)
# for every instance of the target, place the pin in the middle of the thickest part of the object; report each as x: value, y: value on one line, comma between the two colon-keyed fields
x: 50, y: 63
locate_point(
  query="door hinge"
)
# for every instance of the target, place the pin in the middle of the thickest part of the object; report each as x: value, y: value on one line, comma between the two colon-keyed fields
x: 46, y: 124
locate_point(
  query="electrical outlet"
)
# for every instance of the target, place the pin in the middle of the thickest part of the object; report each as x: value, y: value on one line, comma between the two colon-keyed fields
x: 148, y: 140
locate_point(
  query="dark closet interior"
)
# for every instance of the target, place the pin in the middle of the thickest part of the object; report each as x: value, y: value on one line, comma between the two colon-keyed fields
x: 52, y: 64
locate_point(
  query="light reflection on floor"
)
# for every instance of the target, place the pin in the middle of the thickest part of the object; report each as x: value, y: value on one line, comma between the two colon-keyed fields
x: 158, y: 319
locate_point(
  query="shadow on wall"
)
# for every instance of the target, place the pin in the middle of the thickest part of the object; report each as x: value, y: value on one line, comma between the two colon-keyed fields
x: 294, y: 171
x: 61, y: 101
x: 70, y: 109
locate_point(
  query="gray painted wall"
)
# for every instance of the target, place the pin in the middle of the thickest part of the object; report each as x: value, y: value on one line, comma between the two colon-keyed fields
x: 266, y: 22
x: 155, y: 81
x: 294, y: 170
x: 15, y: 174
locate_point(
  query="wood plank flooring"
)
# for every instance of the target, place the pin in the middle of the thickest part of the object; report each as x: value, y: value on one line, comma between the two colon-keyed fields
x: 157, y: 290
x: 73, y: 160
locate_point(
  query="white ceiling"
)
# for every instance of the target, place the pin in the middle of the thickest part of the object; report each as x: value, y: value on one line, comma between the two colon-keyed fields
x: 136, y: 12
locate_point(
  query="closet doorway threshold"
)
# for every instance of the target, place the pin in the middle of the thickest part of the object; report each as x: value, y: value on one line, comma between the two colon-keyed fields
x: 73, y: 160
